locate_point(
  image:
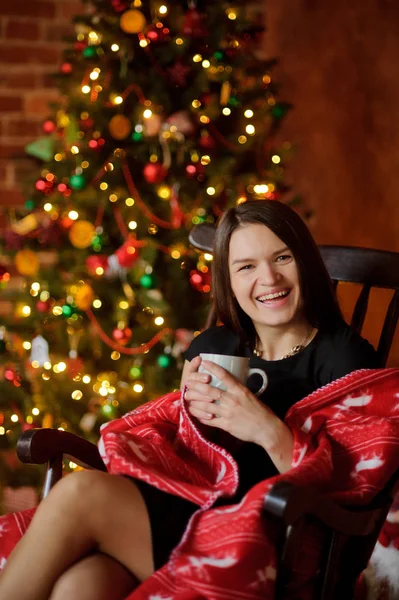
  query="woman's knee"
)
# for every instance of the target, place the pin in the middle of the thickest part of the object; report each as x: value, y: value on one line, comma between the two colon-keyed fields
x: 77, y: 491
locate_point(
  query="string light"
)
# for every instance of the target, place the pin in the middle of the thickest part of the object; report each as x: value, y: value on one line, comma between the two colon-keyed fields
x: 197, y: 58
x: 206, y: 64
x: 97, y: 303
x: 242, y: 139
x: 114, y: 47
x: 48, y: 206
x: 27, y: 345
x: 226, y: 111
x: 73, y: 215
x: 129, y: 201
x: 250, y: 129
x: 159, y: 321
x: 138, y: 388
x: 210, y: 191
x: 147, y: 113
x: 276, y: 159
x: 179, y: 41
x: 86, y: 379
x: 163, y: 10
x: 86, y: 89
x: 132, y: 225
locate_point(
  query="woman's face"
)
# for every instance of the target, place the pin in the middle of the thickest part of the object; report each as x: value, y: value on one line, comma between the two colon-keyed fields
x: 264, y: 276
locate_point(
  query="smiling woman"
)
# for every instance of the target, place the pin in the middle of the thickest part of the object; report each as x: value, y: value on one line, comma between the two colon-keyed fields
x: 276, y: 305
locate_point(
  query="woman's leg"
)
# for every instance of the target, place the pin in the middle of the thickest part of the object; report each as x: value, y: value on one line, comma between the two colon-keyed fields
x: 96, y: 577
x: 85, y: 512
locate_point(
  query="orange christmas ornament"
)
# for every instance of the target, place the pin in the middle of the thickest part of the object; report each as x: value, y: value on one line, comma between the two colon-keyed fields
x: 132, y: 21
x: 119, y: 127
x: 84, y: 296
x: 26, y: 262
x: 81, y: 234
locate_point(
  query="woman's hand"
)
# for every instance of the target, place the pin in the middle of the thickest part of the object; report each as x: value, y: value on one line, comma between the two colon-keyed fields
x: 236, y: 410
x: 239, y: 412
x: 190, y: 371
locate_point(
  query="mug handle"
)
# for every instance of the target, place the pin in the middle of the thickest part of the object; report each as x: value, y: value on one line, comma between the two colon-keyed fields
x: 264, y: 377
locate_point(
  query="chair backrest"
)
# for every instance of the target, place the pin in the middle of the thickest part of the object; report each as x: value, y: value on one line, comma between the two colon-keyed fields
x: 373, y: 269
x: 368, y: 267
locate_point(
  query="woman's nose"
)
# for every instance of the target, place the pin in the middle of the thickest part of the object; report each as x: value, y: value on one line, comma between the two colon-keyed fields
x: 268, y: 275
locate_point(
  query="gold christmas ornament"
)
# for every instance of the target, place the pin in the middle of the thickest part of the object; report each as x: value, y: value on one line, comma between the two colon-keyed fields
x: 132, y: 21
x: 81, y: 234
x: 119, y: 127
x: 26, y: 262
x: 84, y: 296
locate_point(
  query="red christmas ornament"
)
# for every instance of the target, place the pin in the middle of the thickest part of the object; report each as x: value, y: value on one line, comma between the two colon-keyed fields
x: 66, y: 68
x: 154, y: 172
x: 200, y: 281
x: 122, y: 336
x: 43, y: 306
x: 97, y: 261
x: 4, y: 274
x: 75, y: 366
x: 80, y: 46
x: 207, y: 141
x: 157, y: 35
x: 194, y: 25
x: 127, y: 254
x: 49, y: 126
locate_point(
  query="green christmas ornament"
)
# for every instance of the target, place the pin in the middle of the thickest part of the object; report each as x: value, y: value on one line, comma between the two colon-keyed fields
x: 234, y: 102
x: 164, y: 361
x: 135, y: 372
x: 137, y: 136
x: 107, y: 410
x: 89, y: 52
x: 66, y: 310
x: 278, y: 111
x: 29, y: 205
x: 77, y: 182
x: 147, y: 281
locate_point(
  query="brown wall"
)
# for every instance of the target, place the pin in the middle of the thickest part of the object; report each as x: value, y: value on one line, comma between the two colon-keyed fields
x: 339, y: 64
x: 31, y: 33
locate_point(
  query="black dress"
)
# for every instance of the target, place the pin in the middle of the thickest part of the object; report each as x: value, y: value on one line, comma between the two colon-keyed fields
x: 329, y: 356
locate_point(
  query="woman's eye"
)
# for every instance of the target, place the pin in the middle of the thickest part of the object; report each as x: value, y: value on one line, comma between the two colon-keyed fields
x: 283, y: 258
x: 245, y: 268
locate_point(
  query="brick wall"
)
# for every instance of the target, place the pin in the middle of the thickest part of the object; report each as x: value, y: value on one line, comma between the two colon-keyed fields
x: 31, y: 42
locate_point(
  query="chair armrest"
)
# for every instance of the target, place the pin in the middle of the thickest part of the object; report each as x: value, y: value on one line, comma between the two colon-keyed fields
x: 290, y: 502
x: 38, y: 446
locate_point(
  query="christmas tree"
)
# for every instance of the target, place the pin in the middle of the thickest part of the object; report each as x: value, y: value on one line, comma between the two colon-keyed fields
x: 168, y: 116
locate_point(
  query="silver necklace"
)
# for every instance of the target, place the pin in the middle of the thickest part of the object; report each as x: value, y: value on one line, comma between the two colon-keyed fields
x: 294, y: 350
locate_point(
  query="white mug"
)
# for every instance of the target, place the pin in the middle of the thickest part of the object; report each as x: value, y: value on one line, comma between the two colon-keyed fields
x: 238, y: 366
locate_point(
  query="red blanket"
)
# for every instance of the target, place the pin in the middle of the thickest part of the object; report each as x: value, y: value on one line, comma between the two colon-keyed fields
x: 346, y: 442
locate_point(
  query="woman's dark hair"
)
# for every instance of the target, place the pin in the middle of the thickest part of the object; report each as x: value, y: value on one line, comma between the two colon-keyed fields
x: 320, y: 303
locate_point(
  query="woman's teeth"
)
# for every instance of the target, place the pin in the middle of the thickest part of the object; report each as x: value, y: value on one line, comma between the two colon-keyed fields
x: 273, y: 296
